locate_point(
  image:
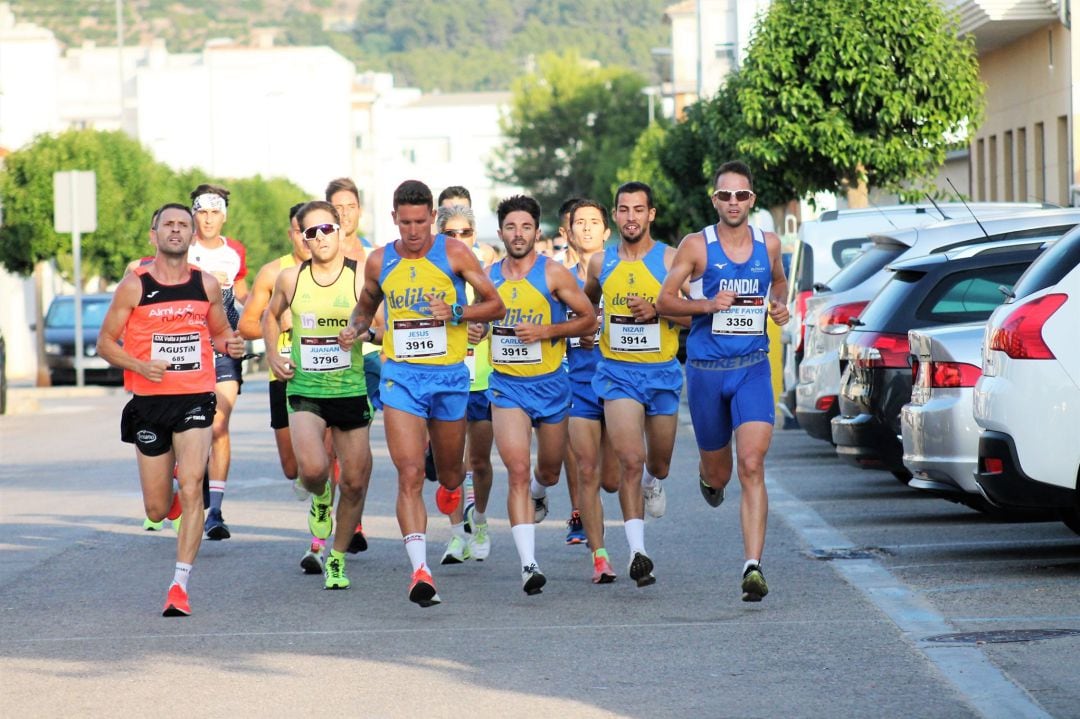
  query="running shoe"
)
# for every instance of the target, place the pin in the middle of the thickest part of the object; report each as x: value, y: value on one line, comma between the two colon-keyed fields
x: 312, y: 563
x: 176, y: 604
x: 602, y: 571
x: 175, y: 509
x: 430, y: 473
x: 215, y: 526
x: 469, y: 513
x: 575, y: 533
x: 151, y: 526
x: 540, y: 509
x: 715, y: 497
x: 422, y: 590
x: 655, y: 499
x: 176, y: 524
x: 447, y: 500
x: 456, y: 552
x: 641, y: 569
x: 753, y: 584
x: 335, y: 573
x: 300, y: 491
x: 480, y: 542
x: 320, y: 521
x: 532, y: 579
x: 358, y: 543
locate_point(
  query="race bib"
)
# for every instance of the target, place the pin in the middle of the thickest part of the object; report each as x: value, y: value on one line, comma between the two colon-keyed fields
x: 575, y: 342
x: 182, y: 351
x: 470, y: 362
x: 625, y: 334
x: 419, y: 338
x: 323, y: 354
x: 745, y: 317
x: 506, y: 348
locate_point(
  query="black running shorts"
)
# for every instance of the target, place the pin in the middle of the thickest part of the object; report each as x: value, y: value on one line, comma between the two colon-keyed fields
x: 149, y: 422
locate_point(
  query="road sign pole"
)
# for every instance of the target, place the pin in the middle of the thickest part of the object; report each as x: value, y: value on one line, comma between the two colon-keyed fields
x: 76, y: 253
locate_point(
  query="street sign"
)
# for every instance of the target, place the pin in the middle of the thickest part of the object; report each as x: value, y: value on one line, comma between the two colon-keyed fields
x: 74, y: 197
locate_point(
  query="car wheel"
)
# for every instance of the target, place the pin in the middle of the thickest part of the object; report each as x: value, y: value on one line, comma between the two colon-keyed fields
x: 1071, y: 518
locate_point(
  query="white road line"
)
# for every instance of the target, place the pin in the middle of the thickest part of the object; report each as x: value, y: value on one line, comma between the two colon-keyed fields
x: 989, y: 690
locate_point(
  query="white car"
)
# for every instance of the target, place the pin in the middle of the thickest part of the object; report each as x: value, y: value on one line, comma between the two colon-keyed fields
x: 1027, y: 400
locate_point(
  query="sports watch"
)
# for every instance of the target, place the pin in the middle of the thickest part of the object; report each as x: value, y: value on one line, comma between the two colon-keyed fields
x: 456, y: 313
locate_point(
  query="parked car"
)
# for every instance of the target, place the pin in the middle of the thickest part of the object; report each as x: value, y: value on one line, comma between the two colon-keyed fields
x: 1027, y: 400
x: 828, y: 312
x: 939, y: 289
x: 60, y: 340
x: 830, y: 242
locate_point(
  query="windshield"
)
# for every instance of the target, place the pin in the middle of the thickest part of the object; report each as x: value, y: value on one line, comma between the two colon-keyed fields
x: 864, y: 266
x: 62, y: 314
x: 1051, y: 267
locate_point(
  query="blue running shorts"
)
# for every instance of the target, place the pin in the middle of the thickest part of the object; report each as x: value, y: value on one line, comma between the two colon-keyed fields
x: 479, y: 409
x: 584, y: 403
x: 544, y: 399
x: 430, y: 391
x: 721, y: 399
x: 656, y: 387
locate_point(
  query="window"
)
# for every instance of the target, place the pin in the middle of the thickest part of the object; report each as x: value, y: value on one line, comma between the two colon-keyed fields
x: 993, y: 168
x: 1040, y: 162
x: 969, y: 296
x: 1021, y: 165
x: 980, y: 168
x: 1009, y: 175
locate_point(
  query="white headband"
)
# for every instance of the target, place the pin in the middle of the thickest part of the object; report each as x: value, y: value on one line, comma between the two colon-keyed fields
x: 209, y: 201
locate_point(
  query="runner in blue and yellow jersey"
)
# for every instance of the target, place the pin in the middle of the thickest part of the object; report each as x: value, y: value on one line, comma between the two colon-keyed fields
x: 638, y: 377
x: 326, y: 387
x: 425, y: 383
x: 529, y: 386
x: 736, y: 281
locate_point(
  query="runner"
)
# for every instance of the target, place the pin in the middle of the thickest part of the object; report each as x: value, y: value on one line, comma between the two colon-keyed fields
x: 326, y: 387
x: 736, y: 280
x: 590, y: 442
x: 638, y: 376
x: 529, y: 387
x: 425, y: 384
x: 458, y: 195
x: 225, y: 259
x: 171, y: 319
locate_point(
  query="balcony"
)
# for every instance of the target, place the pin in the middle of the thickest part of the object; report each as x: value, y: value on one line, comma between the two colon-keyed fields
x: 995, y: 23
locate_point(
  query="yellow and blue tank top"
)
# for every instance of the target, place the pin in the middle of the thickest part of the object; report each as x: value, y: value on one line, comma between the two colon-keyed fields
x: 622, y: 338
x: 582, y: 362
x: 527, y: 300
x: 319, y: 313
x: 284, y: 344
x: 740, y: 330
x: 411, y: 334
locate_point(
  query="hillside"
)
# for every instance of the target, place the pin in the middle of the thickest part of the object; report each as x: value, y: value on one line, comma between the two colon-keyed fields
x: 450, y: 46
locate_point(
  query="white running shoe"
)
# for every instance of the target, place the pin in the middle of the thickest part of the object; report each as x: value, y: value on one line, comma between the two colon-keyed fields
x: 540, y: 509
x: 480, y: 542
x: 655, y: 499
x: 456, y: 552
x: 532, y: 579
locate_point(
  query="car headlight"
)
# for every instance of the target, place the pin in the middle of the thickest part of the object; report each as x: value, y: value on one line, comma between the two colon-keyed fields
x: 52, y: 348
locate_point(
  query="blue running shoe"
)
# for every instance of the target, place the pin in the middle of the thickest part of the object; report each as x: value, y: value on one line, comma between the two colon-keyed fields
x: 575, y: 533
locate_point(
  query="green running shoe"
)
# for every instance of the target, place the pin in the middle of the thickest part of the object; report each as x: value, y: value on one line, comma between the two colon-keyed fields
x: 151, y: 526
x: 320, y: 521
x: 335, y: 573
x: 753, y: 584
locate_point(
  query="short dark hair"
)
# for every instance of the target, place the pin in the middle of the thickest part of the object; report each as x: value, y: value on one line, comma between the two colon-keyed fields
x: 454, y: 191
x: 590, y: 203
x: 634, y: 186
x: 309, y: 207
x: 736, y: 166
x: 205, y: 189
x: 170, y: 206
x: 519, y: 202
x: 342, y: 183
x: 294, y: 209
x: 412, y: 192
x: 567, y: 206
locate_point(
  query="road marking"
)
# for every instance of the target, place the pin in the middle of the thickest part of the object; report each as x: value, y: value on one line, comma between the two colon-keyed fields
x: 985, y: 687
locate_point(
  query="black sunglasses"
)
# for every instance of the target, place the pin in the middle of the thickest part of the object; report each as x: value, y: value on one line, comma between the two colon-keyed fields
x: 313, y: 232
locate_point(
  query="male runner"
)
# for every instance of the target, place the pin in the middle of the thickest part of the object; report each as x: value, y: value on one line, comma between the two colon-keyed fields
x: 326, y: 387
x: 226, y: 260
x: 529, y: 387
x: 425, y: 384
x: 736, y: 279
x: 590, y: 443
x: 171, y: 319
x: 638, y: 377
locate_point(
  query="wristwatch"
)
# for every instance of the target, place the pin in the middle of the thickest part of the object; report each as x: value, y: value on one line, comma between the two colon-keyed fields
x: 456, y: 313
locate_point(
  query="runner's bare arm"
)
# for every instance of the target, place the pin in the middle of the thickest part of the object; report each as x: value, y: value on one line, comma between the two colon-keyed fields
x: 487, y: 305
x: 368, y: 299
x: 778, y: 292
x: 250, y: 324
x: 271, y: 322
x: 592, y: 279
x: 565, y: 288
x: 689, y: 261
x: 125, y: 299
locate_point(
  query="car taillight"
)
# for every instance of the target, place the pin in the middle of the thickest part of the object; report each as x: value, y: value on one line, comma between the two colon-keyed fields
x: 835, y: 321
x: 800, y: 316
x: 826, y: 403
x: 992, y: 465
x: 880, y: 350
x: 1020, y: 336
x: 953, y: 374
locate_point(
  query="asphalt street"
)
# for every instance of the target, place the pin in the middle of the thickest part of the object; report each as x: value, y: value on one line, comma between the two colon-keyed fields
x: 882, y: 602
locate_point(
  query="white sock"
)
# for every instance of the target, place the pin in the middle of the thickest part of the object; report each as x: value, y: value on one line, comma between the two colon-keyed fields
x: 525, y: 541
x: 479, y: 518
x: 470, y: 496
x: 180, y: 576
x: 635, y: 535
x: 416, y: 546
x: 458, y: 530
x: 537, y: 490
x: 647, y: 480
x: 751, y: 563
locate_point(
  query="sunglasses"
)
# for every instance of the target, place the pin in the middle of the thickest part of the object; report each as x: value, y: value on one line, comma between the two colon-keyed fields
x: 467, y: 232
x: 558, y: 248
x: 740, y: 195
x: 314, y: 231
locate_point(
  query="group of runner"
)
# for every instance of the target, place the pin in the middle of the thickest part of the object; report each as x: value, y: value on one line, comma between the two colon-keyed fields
x: 463, y: 351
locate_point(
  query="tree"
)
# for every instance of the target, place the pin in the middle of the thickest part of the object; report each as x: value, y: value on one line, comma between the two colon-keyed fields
x: 842, y: 94
x: 571, y: 126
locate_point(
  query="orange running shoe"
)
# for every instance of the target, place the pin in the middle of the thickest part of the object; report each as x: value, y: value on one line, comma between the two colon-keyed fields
x: 358, y: 543
x: 176, y: 604
x: 602, y: 571
x: 447, y: 500
x: 174, y: 509
x: 422, y: 589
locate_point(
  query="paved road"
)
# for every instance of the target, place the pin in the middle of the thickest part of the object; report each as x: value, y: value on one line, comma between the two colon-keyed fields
x: 81, y: 587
